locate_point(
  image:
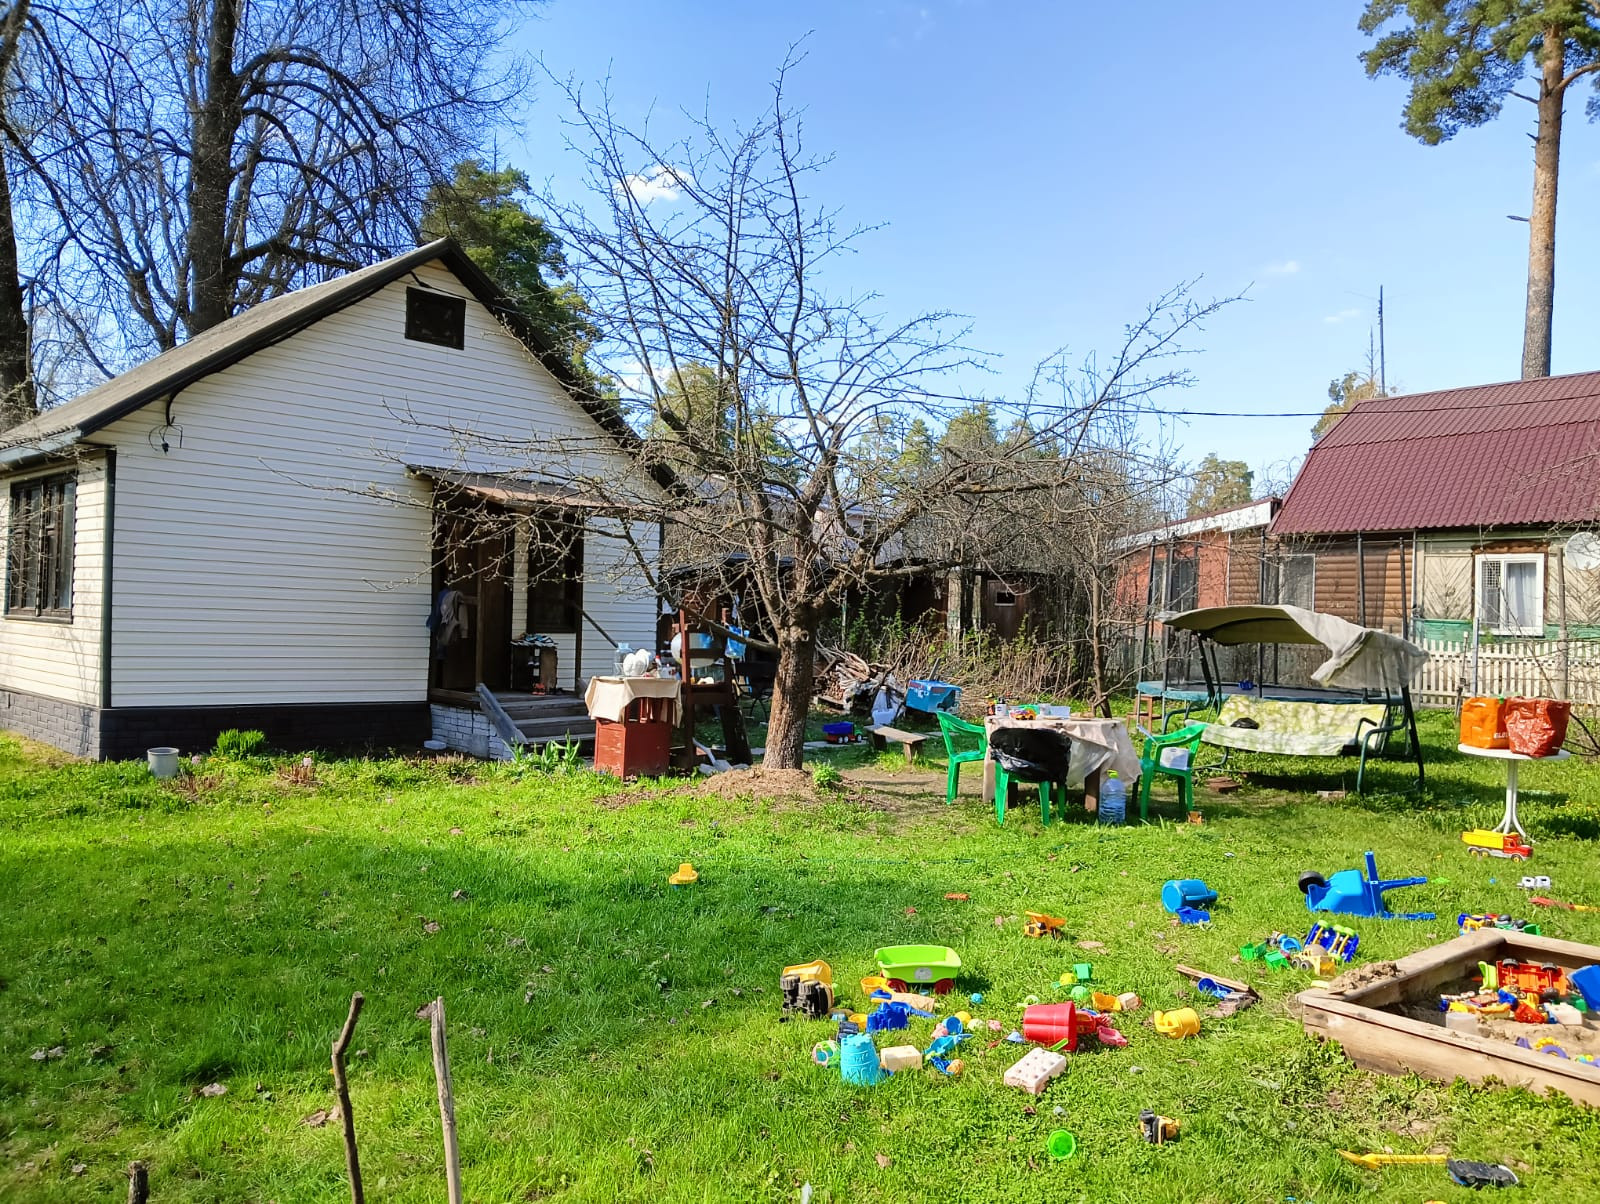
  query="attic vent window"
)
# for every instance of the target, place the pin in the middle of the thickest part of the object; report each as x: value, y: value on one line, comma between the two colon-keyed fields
x: 436, y: 318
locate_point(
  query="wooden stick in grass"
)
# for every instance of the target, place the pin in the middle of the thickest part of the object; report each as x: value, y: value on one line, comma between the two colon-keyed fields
x: 447, y: 1103
x: 352, y: 1162
x: 138, y: 1183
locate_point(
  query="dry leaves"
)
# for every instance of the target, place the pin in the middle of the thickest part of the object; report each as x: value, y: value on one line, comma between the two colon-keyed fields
x: 956, y: 896
x: 884, y: 1160
x: 431, y: 926
x: 213, y: 1090
x: 1091, y: 944
x: 49, y: 1055
x: 320, y: 1117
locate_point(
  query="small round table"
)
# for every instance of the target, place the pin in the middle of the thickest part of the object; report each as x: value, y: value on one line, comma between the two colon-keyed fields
x: 1509, y: 821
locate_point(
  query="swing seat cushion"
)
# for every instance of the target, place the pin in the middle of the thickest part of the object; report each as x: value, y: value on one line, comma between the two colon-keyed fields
x: 1297, y: 729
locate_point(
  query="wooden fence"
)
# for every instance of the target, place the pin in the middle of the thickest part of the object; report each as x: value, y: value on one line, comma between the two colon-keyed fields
x: 1567, y: 669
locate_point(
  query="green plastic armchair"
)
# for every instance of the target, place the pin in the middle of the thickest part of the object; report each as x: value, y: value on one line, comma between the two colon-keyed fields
x: 1150, y: 765
x: 953, y: 729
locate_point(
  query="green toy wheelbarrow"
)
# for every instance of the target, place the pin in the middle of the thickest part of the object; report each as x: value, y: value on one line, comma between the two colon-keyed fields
x: 910, y: 966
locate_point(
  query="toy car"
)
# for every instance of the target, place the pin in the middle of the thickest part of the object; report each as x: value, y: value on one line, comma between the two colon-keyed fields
x: 1472, y: 923
x: 904, y: 965
x: 1543, y: 981
x: 1037, y: 923
x: 1482, y: 843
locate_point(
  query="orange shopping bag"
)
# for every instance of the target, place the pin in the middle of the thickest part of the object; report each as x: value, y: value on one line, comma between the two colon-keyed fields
x: 1537, y: 727
x: 1483, y: 723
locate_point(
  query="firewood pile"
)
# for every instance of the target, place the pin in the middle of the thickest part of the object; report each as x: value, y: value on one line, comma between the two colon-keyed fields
x: 847, y: 683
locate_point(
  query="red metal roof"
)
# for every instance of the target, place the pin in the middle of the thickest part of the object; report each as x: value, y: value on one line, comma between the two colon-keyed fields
x: 1524, y: 453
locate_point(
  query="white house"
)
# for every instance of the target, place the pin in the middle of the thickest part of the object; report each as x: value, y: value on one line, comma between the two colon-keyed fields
x: 253, y: 529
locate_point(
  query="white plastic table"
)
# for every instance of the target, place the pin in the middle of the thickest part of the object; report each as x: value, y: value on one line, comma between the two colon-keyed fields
x: 1509, y: 821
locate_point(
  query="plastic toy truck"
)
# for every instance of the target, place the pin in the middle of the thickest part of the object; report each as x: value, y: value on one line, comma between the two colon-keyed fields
x: 1481, y: 842
x: 808, y: 989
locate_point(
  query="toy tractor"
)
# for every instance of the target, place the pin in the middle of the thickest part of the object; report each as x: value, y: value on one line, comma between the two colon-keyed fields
x: 1037, y: 923
x: 808, y: 989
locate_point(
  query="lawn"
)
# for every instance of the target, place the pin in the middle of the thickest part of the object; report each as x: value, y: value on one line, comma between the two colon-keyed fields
x: 614, y: 1038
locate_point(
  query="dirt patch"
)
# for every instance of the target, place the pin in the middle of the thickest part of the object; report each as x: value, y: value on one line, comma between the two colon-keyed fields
x: 757, y: 782
x: 1362, y: 976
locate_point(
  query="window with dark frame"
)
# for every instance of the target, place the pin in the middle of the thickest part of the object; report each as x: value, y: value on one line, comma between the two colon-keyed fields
x: 1297, y: 581
x: 39, y: 547
x: 555, y: 577
x: 1183, y: 582
x: 436, y: 318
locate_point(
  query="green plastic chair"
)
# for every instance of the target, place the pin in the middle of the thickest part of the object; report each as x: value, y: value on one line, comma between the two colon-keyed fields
x: 1150, y: 765
x: 950, y: 728
x: 1002, y: 795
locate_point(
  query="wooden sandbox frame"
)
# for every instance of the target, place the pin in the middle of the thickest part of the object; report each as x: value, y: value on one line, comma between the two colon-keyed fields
x: 1391, y: 1043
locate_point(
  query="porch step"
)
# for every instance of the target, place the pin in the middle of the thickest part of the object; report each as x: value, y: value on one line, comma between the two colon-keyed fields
x: 580, y: 729
x: 543, y: 706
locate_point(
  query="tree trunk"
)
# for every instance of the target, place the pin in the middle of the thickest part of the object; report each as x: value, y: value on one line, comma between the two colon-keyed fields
x: 17, y: 400
x: 211, y: 174
x: 791, y: 697
x: 1542, y: 218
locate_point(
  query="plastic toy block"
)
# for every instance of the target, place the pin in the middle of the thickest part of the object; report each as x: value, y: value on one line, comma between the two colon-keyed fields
x: 1084, y: 971
x: 1034, y: 1072
x: 1253, y: 953
x: 900, y: 1057
x: 1277, y: 960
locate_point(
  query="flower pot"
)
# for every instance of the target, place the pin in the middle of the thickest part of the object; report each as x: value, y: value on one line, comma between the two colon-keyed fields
x: 163, y: 762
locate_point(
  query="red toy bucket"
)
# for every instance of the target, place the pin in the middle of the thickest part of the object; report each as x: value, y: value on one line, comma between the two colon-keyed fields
x: 1048, y: 1023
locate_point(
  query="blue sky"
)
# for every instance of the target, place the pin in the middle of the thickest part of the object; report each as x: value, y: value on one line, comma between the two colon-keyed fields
x: 1048, y: 168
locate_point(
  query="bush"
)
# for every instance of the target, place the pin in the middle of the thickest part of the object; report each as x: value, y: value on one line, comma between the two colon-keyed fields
x: 237, y: 744
x: 827, y: 777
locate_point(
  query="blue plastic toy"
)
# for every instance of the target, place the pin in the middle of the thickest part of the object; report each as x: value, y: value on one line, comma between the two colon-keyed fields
x: 1350, y: 893
x: 1587, y: 982
x: 891, y: 1016
x: 858, y: 1060
x: 1187, y: 892
x: 1192, y: 915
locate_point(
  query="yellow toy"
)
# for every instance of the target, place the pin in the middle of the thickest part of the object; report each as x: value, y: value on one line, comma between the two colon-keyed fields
x: 1037, y: 923
x: 1181, y: 1022
x: 686, y: 876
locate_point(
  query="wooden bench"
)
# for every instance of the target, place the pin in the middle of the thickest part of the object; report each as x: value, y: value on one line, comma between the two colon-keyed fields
x: 882, y: 737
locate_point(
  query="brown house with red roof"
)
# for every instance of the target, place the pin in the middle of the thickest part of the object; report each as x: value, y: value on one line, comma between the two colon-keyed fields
x: 1429, y: 513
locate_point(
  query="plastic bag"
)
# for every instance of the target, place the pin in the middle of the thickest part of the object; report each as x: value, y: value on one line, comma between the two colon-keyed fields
x: 1536, y: 727
x: 1483, y: 723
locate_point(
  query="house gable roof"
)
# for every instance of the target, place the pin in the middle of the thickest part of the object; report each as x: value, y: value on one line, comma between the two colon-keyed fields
x: 1524, y: 453
x: 273, y: 321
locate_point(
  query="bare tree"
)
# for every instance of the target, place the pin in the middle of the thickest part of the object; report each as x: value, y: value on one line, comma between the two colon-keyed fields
x: 706, y: 262
x: 195, y: 157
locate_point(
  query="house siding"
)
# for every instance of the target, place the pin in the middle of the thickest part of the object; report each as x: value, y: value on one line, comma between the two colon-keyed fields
x: 53, y: 659
x: 254, y: 563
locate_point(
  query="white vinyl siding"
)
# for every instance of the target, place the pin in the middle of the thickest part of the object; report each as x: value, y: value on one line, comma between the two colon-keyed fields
x: 279, y: 553
x: 60, y: 658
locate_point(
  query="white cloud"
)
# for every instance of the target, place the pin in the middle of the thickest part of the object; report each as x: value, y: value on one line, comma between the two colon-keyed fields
x: 1344, y: 315
x: 658, y: 183
x: 1287, y: 267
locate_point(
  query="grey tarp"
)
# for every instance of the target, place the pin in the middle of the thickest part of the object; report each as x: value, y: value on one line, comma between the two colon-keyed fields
x: 1360, y: 658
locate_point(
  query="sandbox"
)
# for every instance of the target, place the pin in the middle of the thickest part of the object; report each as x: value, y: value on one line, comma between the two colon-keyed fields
x: 1390, y: 1023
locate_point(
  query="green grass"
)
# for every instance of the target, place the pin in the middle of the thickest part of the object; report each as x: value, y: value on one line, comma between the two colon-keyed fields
x: 615, y: 1039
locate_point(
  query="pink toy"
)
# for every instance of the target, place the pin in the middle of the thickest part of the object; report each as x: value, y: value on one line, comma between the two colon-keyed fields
x: 1034, y: 1072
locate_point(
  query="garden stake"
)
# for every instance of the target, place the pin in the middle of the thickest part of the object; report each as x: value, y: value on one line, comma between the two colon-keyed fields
x: 447, y: 1103
x: 351, y: 1161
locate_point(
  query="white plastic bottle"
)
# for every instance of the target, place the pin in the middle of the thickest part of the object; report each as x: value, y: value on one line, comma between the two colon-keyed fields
x: 1113, y: 799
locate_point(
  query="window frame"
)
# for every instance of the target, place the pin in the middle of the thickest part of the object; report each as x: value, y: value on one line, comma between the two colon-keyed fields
x: 419, y: 332
x: 1283, y: 565
x: 1480, y: 562
x: 51, y: 549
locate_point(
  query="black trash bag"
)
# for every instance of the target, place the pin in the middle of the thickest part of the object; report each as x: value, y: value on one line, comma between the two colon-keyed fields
x: 1031, y: 754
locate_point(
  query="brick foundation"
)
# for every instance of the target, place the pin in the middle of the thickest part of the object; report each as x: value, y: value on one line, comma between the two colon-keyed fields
x: 125, y: 733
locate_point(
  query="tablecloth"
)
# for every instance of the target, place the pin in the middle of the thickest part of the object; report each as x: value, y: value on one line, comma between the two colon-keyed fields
x: 1097, y: 744
x: 608, y: 697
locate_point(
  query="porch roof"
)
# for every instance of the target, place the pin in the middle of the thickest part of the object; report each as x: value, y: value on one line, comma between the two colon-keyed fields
x: 515, y: 493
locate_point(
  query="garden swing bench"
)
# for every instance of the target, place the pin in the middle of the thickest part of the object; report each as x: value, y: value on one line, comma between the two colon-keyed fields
x: 1360, y: 696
